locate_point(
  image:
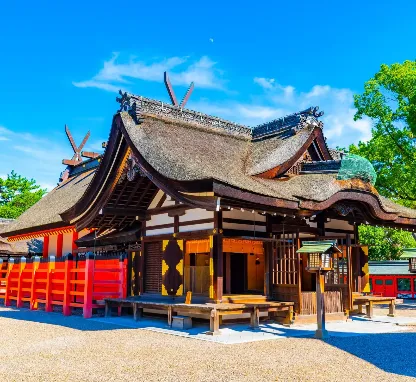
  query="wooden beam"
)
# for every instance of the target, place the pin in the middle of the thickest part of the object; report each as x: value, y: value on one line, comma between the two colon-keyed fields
x: 123, y: 212
x: 179, y: 208
x: 89, y: 154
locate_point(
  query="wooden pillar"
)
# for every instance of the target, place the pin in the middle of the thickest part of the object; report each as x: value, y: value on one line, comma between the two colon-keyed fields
x: 75, y: 236
x: 299, y: 269
x: 349, y: 270
x: 217, y: 257
x: 88, y: 289
x: 268, y: 260
x: 227, y: 273
x: 321, y: 332
x: 45, y: 250
x: 139, y: 263
x: 320, y: 223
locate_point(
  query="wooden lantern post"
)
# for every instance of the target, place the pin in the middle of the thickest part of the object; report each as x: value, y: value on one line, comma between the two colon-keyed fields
x: 320, y: 255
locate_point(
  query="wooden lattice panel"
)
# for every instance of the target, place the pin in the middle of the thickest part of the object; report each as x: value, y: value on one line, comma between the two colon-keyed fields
x: 153, y: 267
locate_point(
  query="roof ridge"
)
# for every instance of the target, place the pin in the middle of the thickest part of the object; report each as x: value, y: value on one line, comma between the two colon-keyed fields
x: 295, y: 121
x: 136, y: 105
x: 139, y: 104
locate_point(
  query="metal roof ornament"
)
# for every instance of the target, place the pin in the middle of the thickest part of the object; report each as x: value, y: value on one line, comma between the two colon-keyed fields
x: 124, y: 101
x: 172, y: 95
x: 289, y: 124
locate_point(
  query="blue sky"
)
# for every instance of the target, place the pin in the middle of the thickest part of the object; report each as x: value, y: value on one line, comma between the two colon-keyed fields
x: 61, y: 63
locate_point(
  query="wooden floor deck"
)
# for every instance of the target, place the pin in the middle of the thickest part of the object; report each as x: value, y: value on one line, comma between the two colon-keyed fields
x: 370, y: 301
x: 281, y: 311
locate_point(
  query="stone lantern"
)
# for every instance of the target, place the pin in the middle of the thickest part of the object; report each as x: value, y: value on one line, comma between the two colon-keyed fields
x: 320, y: 255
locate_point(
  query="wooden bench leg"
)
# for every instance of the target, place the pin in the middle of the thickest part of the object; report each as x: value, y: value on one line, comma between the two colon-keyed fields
x: 107, y: 309
x: 170, y: 316
x: 255, y: 318
x: 137, y: 312
x: 214, y: 323
x: 392, y: 309
x: 369, y: 309
x: 288, y: 320
x: 360, y: 309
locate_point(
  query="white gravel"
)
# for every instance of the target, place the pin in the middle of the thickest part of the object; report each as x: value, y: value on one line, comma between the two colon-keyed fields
x: 73, y: 349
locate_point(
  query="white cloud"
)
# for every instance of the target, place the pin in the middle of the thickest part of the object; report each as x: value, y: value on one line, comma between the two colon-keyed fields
x: 98, y: 85
x: 278, y: 100
x: 265, y: 83
x: 115, y: 75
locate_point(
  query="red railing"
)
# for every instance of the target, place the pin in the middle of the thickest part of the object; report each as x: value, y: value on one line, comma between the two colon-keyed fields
x: 81, y: 282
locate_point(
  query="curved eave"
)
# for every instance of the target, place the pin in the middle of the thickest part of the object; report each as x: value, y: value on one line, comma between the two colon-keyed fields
x: 34, y: 230
x: 112, y: 164
x: 170, y: 186
x: 317, y: 136
x: 106, y: 173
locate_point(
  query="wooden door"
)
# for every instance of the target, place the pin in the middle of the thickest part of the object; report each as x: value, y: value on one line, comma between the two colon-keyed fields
x: 153, y: 267
x: 389, y: 287
x: 378, y: 286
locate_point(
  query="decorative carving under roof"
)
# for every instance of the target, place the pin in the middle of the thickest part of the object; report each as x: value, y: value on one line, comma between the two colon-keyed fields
x: 321, y: 167
x: 294, y: 122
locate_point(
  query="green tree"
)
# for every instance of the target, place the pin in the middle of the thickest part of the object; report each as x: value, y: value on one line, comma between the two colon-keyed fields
x: 17, y: 194
x: 385, y: 243
x: 389, y: 99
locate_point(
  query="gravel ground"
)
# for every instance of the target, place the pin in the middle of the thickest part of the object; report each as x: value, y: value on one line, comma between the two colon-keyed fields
x: 73, y: 349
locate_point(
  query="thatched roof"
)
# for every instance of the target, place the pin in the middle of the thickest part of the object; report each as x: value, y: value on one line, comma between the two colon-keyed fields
x: 45, y: 214
x: 188, y: 151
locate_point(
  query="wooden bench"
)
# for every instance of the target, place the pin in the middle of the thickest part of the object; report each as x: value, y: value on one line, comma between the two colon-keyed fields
x: 215, y: 312
x: 370, y: 301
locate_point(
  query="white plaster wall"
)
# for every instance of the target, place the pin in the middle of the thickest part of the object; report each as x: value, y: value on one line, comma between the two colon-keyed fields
x: 53, y: 240
x: 244, y: 215
x: 196, y: 214
x: 160, y: 231
x: 67, y: 243
x: 160, y: 219
x: 196, y: 227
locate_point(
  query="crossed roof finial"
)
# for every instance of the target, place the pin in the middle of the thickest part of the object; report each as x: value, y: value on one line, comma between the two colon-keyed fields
x: 78, y: 154
x: 172, y: 93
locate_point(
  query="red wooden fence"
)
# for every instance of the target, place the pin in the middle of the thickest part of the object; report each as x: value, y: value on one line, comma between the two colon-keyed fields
x: 80, y: 282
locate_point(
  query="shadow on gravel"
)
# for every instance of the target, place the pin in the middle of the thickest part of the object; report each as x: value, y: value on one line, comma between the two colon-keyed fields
x: 73, y: 322
x: 389, y: 352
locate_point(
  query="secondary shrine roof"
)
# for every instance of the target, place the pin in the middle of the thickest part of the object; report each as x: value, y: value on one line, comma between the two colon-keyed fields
x: 45, y: 214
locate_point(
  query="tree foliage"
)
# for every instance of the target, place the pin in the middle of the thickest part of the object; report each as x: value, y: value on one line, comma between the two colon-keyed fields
x: 17, y: 194
x: 389, y: 99
x: 385, y: 243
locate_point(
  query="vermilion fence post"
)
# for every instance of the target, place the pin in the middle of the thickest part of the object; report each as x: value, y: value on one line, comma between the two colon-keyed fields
x: 88, y: 288
x: 10, y: 266
x: 2, y: 280
x: 19, y: 302
x: 33, y: 293
x: 66, y: 308
x: 49, y: 284
x: 122, y: 277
